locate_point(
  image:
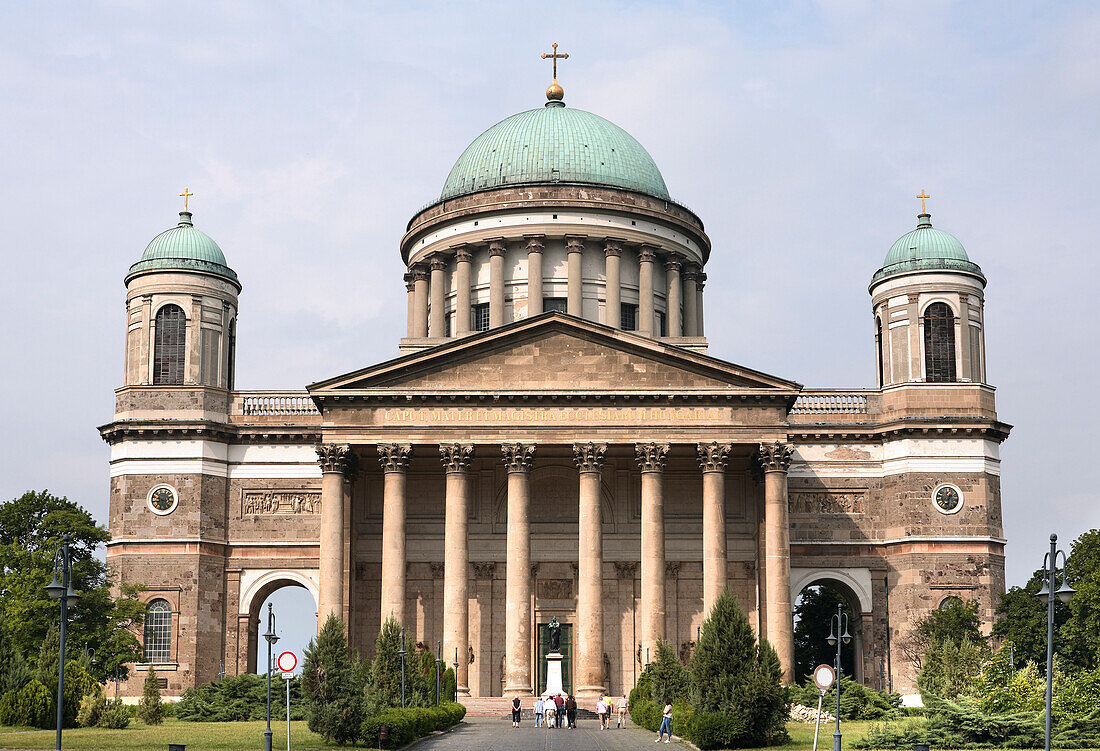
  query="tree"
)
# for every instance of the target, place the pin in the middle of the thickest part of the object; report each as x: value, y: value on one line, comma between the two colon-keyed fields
x: 670, y: 679
x: 1081, y: 631
x: 813, y: 617
x: 30, y: 533
x: 383, y: 688
x: 151, y: 709
x: 951, y: 669
x: 954, y: 622
x: 332, y: 682
x: 1022, y: 620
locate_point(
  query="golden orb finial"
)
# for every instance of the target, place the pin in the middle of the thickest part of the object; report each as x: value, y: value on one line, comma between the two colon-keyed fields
x: 555, y: 93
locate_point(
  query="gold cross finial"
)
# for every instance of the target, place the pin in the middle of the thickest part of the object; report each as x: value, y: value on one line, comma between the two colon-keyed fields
x: 555, y: 57
x: 185, y: 195
x: 922, y: 197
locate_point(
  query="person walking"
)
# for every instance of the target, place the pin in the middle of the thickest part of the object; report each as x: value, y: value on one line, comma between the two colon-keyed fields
x: 666, y: 724
x: 550, y: 709
x: 621, y: 706
x: 515, y: 712
x: 559, y: 710
x: 571, y: 712
x: 601, y: 712
x: 539, y: 707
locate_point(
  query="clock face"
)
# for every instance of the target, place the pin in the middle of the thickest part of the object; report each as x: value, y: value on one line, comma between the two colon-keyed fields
x: 948, y: 499
x: 163, y: 500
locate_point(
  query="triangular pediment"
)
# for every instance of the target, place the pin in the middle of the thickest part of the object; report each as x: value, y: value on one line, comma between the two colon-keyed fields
x: 554, y: 352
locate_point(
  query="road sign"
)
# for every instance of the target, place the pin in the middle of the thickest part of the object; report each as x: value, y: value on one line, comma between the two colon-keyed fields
x: 287, y: 661
x: 824, y: 677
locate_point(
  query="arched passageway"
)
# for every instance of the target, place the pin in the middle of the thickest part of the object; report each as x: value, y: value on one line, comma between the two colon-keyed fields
x: 815, y: 606
x: 293, y: 596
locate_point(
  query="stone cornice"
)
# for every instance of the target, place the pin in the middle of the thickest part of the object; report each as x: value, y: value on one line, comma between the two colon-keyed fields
x: 120, y: 430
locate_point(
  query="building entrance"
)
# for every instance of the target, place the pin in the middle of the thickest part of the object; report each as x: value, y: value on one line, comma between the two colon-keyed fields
x: 566, y: 650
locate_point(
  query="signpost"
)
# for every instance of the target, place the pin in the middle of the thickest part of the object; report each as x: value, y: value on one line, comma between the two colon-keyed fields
x: 824, y: 676
x: 286, y: 663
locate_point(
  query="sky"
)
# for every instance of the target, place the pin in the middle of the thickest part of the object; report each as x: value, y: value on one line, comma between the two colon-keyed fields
x: 311, y: 132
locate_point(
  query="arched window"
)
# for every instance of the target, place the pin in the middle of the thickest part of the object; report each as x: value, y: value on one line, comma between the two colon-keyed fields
x: 169, y: 346
x: 158, y: 632
x: 878, y: 346
x: 939, y: 343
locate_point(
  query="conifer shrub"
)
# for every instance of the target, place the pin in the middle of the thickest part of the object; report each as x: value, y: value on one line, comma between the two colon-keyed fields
x: 857, y: 702
x: 240, y: 697
x: 91, y: 709
x: 116, y: 715
x: 332, y: 682
x: 151, y: 708
x: 32, y: 706
x: 383, y: 685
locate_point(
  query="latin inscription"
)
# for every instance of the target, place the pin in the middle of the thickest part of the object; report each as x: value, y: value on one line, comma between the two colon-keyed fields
x: 565, y: 415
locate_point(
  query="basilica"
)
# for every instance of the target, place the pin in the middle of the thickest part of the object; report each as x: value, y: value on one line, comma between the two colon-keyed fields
x: 555, y: 439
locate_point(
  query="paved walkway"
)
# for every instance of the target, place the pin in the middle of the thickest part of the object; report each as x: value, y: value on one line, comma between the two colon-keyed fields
x: 494, y: 734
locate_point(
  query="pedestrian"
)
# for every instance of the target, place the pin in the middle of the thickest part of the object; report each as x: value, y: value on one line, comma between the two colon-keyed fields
x: 515, y: 712
x: 601, y: 712
x: 550, y: 708
x: 666, y: 723
x: 571, y: 712
x: 559, y: 709
x: 622, y: 711
x: 539, y: 707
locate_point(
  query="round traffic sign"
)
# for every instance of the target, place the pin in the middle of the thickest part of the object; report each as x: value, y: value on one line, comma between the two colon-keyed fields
x: 824, y: 676
x: 287, y: 661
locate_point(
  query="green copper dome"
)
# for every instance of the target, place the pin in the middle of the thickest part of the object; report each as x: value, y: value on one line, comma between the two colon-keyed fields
x: 183, y: 248
x: 926, y: 249
x: 554, y: 144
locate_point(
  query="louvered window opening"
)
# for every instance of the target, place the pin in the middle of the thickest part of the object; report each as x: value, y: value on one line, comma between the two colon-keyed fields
x: 939, y: 343
x: 481, y: 317
x: 555, y: 304
x: 629, y: 317
x: 158, y: 632
x: 169, y: 346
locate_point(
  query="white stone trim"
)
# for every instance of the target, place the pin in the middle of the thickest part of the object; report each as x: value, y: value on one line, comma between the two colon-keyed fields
x: 253, y: 580
x: 857, y: 579
x: 199, y: 540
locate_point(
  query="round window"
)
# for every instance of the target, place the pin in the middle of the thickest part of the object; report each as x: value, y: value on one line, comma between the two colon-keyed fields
x: 163, y: 499
x: 948, y: 499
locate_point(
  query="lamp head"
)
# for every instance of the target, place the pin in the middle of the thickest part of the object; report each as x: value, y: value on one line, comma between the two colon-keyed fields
x: 832, y: 637
x: 71, y: 597
x: 54, y: 588
x: 1065, y: 592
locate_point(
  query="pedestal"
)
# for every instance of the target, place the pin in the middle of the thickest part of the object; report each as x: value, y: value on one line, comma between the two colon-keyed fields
x: 553, y: 674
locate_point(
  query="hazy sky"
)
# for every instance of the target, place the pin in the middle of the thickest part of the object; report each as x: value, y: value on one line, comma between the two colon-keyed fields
x: 310, y: 133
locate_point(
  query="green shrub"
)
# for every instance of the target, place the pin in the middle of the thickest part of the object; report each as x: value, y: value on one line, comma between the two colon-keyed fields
x: 668, y: 677
x: 116, y: 715
x: 91, y: 709
x: 1081, y: 731
x: 240, y: 697
x: 951, y: 669
x: 406, y: 725
x: 1075, y: 694
x: 643, y: 710
x: 32, y: 706
x: 716, y: 730
x: 962, y: 724
x: 333, y: 685
x: 901, y: 735
x: 151, y: 708
x: 857, y: 702
x: 383, y: 684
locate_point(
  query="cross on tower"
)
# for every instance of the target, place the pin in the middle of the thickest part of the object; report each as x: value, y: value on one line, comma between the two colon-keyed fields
x: 555, y: 57
x: 185, y: 195
x: 923, y: 196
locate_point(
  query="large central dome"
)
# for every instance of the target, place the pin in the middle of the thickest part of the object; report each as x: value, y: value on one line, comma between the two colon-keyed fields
x: 554, y: 144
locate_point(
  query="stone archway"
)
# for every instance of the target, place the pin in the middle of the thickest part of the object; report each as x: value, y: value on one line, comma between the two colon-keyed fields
x: 853, y: 586
x: 256, y: 586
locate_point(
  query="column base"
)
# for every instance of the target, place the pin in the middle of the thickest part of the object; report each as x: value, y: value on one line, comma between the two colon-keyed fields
x: 589, y: 695
x: 463, y: 692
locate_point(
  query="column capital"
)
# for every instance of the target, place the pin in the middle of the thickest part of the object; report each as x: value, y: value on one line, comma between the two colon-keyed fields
x: 673, y: 262
x: 463, y: 254
x: 410, y: 281
x: 438, y: 569
x: 456, y: 457
x: 438, y: 262
x: 574, y: 243
x: 672, y: 569
x: 701, y: 279
x: 713, y: 456
x: 485, y: 569
x: 651, y: 457
x: 534, y: 243
x: 419, y: 272
x: 394, y: 457
x: 497, y: 247
x: 334, y: 457
x: 774, y: 456
x: 612, y: 246
x: 589, y: 456
x: 690, y: 271
x: 647, y: 253
x: 626, y: 569
x: 518, y: 457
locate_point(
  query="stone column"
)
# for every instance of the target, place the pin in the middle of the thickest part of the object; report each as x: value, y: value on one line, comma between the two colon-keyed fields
x: 691, y: 300
x: 518, y: 458
x: 334, y: 460
x: 775, y: 459
x: 916, y: 328
x: 672, y: 274
x: 712, y: 459
x: 496, y: 283
x: 534, y: 274
x: 456, y: 557
x: 462, y: 291
x: 410, y: 285
x: 647, y: 256
x: 651, y: 458
x: 589, y: 665
x: 613, y: 313
x: 574, y: 304
x: 700, y: 281
x: 394, y: 458
x: 437, y: 326
x: 420, y: 294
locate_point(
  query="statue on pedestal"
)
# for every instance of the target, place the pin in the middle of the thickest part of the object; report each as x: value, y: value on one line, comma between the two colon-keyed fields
x: 553, y: 633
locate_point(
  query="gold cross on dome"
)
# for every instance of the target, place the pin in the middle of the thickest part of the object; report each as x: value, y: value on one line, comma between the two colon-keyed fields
x: 922, y: 197
x: 185, y: 195
x: 555, y: 57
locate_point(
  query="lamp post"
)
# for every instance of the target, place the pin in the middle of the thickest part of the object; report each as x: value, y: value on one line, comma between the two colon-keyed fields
x: 1063, y: 594
x: 63, y: 591
x: 455, y: 697
x: 838, y: 635
x: 271, y: 639
x: 438, y: 663
x: 402, y: 652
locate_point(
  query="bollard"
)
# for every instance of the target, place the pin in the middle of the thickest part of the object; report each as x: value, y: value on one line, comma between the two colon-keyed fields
x: 177, y: 747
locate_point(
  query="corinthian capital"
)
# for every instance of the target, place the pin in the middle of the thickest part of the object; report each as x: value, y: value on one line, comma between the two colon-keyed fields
x: 647, y: 254
x: 334, y: 457
x: 463, y: 254
x: 574, y: 244
x: 612, y: 246
x: 534, y: 243
x: 775, y: 456
x: 518, y: 457
x: 713, y: 456
x: 497, y: 247
x: 673, y: 262
x: 589, y: 456
x: 651, y: 457
x: 456, y: 457
x: 394, y: 457
x: 419, y: 272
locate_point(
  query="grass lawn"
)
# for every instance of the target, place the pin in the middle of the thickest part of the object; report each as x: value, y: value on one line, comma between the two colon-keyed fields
x: 802, y: 734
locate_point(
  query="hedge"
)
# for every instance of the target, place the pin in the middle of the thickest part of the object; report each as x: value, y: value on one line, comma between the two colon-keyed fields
x: 406, y: 725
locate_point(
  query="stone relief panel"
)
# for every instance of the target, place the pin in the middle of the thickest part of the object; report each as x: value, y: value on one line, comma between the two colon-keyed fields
x: 826, y: 502
x: 261, y: 502
x: 554, y: 589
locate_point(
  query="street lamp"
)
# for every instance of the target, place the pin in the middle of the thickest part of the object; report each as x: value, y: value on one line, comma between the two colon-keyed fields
x: 271, y: 639
x: 402, y: 652
x: 455, y: 697
x: 838, y: 635
x: 1063, y: 594
x: 62, y: 590
x: 438, y: 662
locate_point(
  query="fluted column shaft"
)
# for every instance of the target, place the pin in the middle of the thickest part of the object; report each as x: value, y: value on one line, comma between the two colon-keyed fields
x: 456, y: 557
x: 420, y: 295
x: 334, y: 460
x: 574, y: 304
x: 394, y: 458
x: 410, y: 286
x: 437, y: 327
x: 613, y: 309
x: 462, y: 291
x: 651, y: 459
x: 518, y: 459
x: 647, y: 256
x: 496, y: 283
x: 534, y: 275
x: 691, y: 301
x: 589, y: 458
x: 712, y: 460
x: 672, y: 274
x: 775, y: 459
